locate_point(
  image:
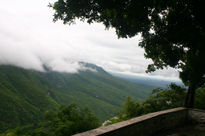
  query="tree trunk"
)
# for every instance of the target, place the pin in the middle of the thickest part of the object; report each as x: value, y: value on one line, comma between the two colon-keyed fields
x: 189, y: 102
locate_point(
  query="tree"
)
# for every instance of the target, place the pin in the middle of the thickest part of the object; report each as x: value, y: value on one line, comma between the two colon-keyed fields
x: 172, y: 31
x: 160, y: 99
x: 67, y: 121
x: 70, y: 120
x: 130, y: 108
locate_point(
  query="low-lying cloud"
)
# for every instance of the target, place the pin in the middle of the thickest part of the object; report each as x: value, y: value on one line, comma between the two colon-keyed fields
x: 30, y: 39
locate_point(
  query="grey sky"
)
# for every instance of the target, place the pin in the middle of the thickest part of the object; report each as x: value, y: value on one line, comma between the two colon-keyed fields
x: 29, y: 38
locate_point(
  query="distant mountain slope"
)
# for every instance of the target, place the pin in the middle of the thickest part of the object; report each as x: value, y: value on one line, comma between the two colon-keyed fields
x: 26, y: 94
x: 153, y: 82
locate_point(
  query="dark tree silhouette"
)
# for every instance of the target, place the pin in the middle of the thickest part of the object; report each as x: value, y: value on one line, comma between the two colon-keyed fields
x: 172, y: 31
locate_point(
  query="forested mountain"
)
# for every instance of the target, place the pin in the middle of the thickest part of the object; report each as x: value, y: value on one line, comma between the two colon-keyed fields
x: 26, y: 94
x: 149, y: 81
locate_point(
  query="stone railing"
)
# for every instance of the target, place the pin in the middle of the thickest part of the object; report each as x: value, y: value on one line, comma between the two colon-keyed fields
x: 150, y: 124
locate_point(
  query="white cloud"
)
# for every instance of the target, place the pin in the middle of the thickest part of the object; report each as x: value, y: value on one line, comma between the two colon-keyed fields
x: 30, y: 39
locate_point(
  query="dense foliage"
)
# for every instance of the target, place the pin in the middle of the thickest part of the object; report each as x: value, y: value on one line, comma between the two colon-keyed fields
x: 26, y: 94
x: 200, y: 97
x: 72, y: 119
x: 160, y: 99
x: 172, y: 31
x: 67, y: 121
x: 23, y: 99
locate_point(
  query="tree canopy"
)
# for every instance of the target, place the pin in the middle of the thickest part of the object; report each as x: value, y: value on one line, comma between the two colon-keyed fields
x: 65, y: 122
x: 172, y: 31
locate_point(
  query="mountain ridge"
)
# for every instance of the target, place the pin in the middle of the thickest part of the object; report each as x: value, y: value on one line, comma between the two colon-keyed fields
x: 27, y: 94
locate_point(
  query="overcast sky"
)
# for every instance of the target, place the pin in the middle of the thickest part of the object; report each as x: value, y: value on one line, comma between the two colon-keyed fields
x: 29, y: 38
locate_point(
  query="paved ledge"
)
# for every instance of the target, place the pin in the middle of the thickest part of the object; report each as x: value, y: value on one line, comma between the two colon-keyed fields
x: 145, y: 125
x: 196, y: 116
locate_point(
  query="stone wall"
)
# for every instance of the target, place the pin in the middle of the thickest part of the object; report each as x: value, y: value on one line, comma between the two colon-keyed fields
x: 146, y: 125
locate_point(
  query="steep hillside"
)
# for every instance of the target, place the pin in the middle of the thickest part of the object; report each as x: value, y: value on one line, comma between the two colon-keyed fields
x: 26, y: 94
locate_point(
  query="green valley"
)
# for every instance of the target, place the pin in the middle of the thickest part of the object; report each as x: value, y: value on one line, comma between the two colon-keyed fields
x: 27, y: 94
